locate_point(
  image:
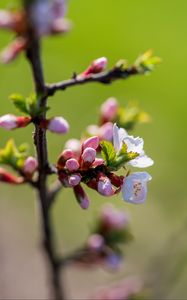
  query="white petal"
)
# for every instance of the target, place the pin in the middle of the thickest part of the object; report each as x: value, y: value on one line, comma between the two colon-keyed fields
x: 134, y: 144
x: 134, y: 189
x: 142, y: 161
x: 118, y: 136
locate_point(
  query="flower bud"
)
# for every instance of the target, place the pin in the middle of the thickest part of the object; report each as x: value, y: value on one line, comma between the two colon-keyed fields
x: 74, y: 145
x: 109, y: 109
x: 30, y: 165
x: 98, y: 162
x: 9, y: 178
x: 89, y: 155
x: 92, y: 142
x: 104, y: 186
x: 81, y: 196
x: 97, y: 66
x: 13, y: 50
x: 92, y: 130
x: 10, y: 122
x: 95, y: 242
x: 74, y: 180
x: 67, y: 154
x: 58, y: 125
x: 6, y: 19
x: 72, y: 165
x: 106, y: 131
x: 112, y: 218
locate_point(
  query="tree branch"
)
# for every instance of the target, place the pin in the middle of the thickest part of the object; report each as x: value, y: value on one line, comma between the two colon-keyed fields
x: 40, y: 141
x: 107, y: 77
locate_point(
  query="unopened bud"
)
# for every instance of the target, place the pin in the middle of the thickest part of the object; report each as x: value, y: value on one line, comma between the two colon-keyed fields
x: 72, y: 165
x: 58, y: 125
x: 105, y: 187
x: 92, y: 142
x: 74, y: 145
x: 13, y: 50
x: 67, y: 154
x: 109, y: 109
x: 95, y: 242
x: 6, y: 177
x: 30, y: 165
x: 81, y: 196
x: 89, y: 155
x: 112, y: 218
x: 106, y: 131
x: 96, y: 67
x: 98, y: 162
x: 74, y: 180
x: 10, y: 122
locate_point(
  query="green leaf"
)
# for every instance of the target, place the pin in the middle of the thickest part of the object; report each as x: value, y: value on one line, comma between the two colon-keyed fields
x: 20, y: 103
x: 147, y: 62
x: 13, y: 156
x: 108, y: 152
x: 122, y: 158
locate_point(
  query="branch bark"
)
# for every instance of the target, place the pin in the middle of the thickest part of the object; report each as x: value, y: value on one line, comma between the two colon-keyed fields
x: 40, y: 141
x: 107, y: 77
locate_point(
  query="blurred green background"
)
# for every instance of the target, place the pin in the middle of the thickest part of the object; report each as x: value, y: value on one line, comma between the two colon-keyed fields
x: 115, y: 29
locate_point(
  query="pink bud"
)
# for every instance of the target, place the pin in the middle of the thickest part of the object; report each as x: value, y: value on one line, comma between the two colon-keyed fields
x: 81, y: 196
x: 92, y: 130
x: 13, y: 50
x: 72, y: 165
x: 96, y: 67
x: 8, y: 122
x: 98, y: 162
x: 104, y: 186
x: 74, y: 180
x: 95, y: 242
x: 9, y: 178
x: 109, y: 109
x: 30, y: 165
x: 89, y: 155
x: 60, y: 26
x: 74, y: 145
x: 92, y: 142
x: 58, y: 125
x: 6, y: 19
x: 67, y: 154
x: 113, y: 218
x: 106, y: 131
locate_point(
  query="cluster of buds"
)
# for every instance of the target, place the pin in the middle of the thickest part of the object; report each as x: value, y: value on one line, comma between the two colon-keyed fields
x: 75, y: 167
x: 46, y: 18
x: 102, y: 248
x: 79, y: 164
x: 111, y: 112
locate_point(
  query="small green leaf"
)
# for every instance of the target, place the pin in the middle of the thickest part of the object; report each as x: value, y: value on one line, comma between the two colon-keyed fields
x: 146, y: 62
x: 108, y: 152
x: 20, y: 103
x: 13, y: 156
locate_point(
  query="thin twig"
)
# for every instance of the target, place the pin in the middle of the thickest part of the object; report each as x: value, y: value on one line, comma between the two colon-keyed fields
x: 104, y: 78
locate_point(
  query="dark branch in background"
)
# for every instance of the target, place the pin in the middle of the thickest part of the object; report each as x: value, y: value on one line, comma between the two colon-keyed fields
x: 104, y: 78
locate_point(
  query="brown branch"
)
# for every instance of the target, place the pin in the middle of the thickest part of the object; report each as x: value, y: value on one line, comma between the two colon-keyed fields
x: 107, y: 77
x: 40, y: 141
